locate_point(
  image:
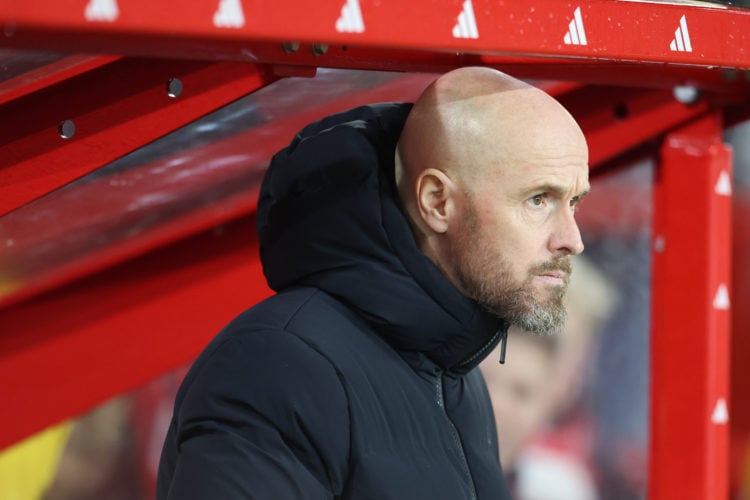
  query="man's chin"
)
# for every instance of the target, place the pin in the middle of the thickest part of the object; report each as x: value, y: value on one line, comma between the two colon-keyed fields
x: 542, y: 318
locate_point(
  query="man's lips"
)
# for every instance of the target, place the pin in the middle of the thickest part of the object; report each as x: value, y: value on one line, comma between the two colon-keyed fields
x: 554, y: 277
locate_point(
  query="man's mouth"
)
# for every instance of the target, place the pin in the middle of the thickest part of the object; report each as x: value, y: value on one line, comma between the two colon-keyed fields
x: 557, y: 278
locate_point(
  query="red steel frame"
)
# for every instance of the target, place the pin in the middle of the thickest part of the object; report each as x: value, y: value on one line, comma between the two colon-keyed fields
x: 690, y: 334
x: 613, y: 30
x: 186, y: 290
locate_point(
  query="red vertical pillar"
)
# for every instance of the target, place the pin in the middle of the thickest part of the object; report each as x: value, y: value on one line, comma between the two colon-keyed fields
x: 690, y: 315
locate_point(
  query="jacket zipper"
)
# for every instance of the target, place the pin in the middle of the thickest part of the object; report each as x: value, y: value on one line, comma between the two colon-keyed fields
x: 486, y: 346
x: 456, y: 436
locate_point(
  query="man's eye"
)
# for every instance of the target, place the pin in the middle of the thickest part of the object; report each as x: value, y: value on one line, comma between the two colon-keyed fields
x: 537, y: 200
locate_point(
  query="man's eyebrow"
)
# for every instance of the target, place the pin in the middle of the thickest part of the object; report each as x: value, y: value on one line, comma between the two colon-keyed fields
x: 558, y: 190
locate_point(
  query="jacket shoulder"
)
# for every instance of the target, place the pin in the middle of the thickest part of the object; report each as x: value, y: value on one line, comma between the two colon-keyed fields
x: 258, y: 379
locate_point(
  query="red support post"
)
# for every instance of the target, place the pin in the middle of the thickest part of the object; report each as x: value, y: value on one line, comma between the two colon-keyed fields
x: 690, y: 332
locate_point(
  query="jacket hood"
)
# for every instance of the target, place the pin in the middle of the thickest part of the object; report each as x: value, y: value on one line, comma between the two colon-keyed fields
x: 329, y: 217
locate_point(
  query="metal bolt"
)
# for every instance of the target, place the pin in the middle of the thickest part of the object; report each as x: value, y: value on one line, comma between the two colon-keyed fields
x: 660, y: 244
x: 319, y: 49
x: 686, y: 94
x: 174, y: 87
x: 290, y: 47
x: 621, y: 111
x: 66, y: 129
x: 730, y: 75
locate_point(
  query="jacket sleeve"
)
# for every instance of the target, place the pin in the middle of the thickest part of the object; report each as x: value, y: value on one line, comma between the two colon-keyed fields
x: 265, y: 416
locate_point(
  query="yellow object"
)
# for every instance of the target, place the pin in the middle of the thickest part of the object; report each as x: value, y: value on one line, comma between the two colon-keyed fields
x: 28, y: 468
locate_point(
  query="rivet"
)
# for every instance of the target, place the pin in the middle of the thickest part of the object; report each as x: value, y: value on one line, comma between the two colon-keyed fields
x: 290, y: 47
x: 174, y: 87
x: 319, y: 49
x: 621, y: 111
x: 66, y: 129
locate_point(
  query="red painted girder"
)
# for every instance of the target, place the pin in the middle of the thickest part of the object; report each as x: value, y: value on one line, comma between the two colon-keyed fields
x: 63, y: 352
x: 616, y: 119
x: 732, y: 83
x: 598, y: 29
x: 116, y: 108
x: 50, y: 74
x: 690, y: 332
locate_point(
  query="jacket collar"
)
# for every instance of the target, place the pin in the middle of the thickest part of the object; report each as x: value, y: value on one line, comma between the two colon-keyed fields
x: 329, y: 217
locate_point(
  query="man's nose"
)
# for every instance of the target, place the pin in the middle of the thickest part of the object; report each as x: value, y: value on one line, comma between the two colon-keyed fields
x: 566, y: 237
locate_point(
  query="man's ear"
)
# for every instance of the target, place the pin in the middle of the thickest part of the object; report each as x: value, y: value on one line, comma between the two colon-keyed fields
x: 436, y: 199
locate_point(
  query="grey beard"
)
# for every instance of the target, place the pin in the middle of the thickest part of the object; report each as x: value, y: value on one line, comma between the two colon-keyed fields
x: 540, y: 319
x: 490, y: 285
x: 519, y: 307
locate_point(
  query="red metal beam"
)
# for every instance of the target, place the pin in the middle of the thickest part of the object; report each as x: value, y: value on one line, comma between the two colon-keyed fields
x: 115, y: 108
x: 690, y: 334
x: 732, y: 83
x: 47, y: 75
x: 64, y: 352
x: 598, y: 29
x: 617, y: 119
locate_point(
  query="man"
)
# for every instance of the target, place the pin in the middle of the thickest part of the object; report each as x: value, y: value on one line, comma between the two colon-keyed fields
x: 401, y: 248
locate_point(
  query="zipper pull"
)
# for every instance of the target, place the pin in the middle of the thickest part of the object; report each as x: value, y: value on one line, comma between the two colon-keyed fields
x: 503, y: 344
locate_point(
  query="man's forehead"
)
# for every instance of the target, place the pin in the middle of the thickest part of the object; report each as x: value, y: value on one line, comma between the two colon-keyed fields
x: 571, y: 179
x: 568, y: 175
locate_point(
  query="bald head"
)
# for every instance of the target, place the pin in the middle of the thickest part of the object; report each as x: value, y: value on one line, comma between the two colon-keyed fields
x: 490, y: 170
x: 472, y: 124
x: 454, y: 112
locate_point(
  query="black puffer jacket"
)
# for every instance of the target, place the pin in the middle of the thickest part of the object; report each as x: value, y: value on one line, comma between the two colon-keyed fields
x: 357, y: 379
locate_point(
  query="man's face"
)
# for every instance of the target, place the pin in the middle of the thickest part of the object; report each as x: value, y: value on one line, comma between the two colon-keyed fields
x: 512, y: 253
